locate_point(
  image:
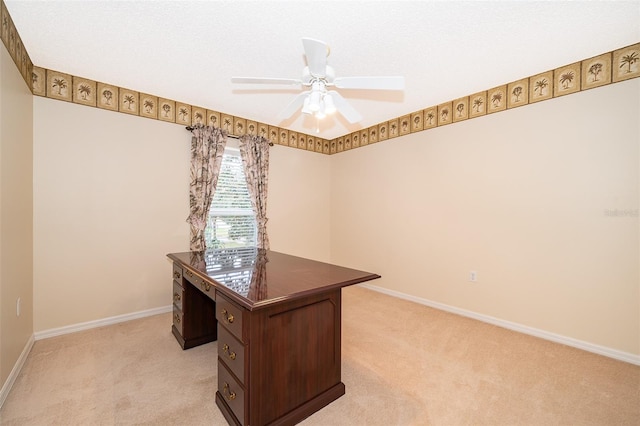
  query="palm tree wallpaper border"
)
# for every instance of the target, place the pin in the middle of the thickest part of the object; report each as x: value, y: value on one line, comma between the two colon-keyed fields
x: 213, y: 119
x: 430, y: 119
x: 626, y: 63
x: 108, y: 96
x: 373, y: 134
x: 589, y: 73
x: 167, y: 110
x: 611, y: 67
x: 148, y: 106
x: 405, y: 126
x: 460, y: 109
x: 497, y: 99
x: 59, y: 86
x: 129, y: 101
x: 566, y: 80
x: 541, y: 87
x: 199, y: 115
x: 84, y: 91
x: 596, y: 71
x: 12, y: 41
x: 364, y: 137
x: 183, y: 114
x: 445, y: 113
x: 518, y: 93
x: 394, y: 125
x: 477, y: 105
x: 38, y: 81
x: 417, y: 123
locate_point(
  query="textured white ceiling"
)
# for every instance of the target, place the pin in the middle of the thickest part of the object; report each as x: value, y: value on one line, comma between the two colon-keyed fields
x: 189, y: 50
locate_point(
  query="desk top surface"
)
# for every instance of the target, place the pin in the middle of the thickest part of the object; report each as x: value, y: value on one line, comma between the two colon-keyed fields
x: 257, y: 278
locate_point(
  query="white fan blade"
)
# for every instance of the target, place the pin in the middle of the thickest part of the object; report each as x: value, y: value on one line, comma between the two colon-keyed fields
x: 374, y: 83
x: 293, y: 106
x: 316, y: 52
x: 344, y: 108
x: 259, y: 80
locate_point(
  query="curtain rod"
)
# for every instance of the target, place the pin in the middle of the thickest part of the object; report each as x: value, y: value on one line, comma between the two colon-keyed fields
x: 189, y: 128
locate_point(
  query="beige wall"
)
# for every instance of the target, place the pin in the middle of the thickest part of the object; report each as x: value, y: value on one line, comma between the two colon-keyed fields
x: 111, y: 199
x: 16, y: 209
x: 527, y: 198
x: 298, y: 206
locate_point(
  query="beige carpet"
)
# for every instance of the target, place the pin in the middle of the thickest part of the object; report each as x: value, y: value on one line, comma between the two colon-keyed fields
x: 403, y: 364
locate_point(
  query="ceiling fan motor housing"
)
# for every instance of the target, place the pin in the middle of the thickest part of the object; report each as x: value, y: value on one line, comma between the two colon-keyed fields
x: 328, y: 78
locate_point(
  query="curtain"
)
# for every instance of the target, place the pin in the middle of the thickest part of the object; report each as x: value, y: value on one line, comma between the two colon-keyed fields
x: 207, y: 147
x: 255, y: 159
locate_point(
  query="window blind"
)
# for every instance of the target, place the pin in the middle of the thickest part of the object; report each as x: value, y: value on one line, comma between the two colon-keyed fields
x: 232, y: 222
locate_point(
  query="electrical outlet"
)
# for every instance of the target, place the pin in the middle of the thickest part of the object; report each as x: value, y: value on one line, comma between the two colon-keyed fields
x: 473, y: 276
x: 18, y: 307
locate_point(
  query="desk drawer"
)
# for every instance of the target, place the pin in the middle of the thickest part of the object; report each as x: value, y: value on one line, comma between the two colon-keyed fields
x: 201, y: 284
x: 178, y: 295
x: 178, y: 320
x: 232, y: 393
x: 192, y: 278
x: 231, y: 352
x: 230, y: 316
x: 177, y: 273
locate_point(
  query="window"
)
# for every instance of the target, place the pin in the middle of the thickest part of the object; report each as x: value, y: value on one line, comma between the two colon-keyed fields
x: 232, y: 222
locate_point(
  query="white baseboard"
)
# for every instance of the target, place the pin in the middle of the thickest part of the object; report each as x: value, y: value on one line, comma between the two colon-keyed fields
x: 100, y: 323
x: 8, y: 384
x: 579, y: 344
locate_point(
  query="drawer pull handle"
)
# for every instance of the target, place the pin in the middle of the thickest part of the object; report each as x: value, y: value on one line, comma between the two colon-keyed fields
x: 205, y: 286
x: 176, y: 297
x: 229, y: 394
x: 177, y: 318
x: 176, y: 275
x: 190, y: 273
x: 231, y: 355
x: 228, y: 316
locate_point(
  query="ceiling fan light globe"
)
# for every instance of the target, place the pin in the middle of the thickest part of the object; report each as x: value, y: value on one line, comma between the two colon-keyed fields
x: 305, y: 106
x: 329, y: 106
x: 320, y: 115
x: 314, y: 101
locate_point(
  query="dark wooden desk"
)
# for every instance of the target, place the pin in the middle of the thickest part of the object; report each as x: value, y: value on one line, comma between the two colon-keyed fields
x: 277, y: 319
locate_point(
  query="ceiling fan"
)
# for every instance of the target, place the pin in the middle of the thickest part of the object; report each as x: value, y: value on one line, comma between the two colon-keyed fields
x: 321, y: 98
